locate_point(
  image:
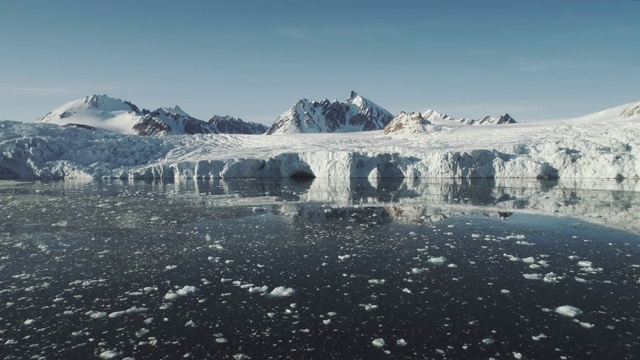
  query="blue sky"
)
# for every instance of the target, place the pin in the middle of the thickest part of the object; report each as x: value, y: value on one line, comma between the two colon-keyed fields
x: 255, y: 59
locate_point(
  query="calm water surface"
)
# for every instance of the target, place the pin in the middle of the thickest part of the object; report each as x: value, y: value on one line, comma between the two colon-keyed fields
x: 266, y: 269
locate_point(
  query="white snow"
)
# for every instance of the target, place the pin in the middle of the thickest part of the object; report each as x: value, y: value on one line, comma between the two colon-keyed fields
x: 601, y: 145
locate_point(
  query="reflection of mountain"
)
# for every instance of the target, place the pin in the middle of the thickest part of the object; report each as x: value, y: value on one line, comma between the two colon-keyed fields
x: 612, y: 203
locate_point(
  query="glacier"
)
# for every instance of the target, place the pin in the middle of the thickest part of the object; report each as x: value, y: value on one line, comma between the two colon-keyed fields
x: 601, y: 145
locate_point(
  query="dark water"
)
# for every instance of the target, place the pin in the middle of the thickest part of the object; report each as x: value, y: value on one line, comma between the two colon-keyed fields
x: 149, y: 270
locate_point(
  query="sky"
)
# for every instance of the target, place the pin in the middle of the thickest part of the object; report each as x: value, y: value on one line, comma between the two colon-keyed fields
x: 539, y: 59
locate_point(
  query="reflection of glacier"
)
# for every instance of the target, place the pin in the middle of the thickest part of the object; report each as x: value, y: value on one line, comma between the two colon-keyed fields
x: 608, y: 202
x: 611, y: 203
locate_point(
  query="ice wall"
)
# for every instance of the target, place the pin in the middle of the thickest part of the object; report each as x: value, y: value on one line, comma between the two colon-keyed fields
x: 49, y: 151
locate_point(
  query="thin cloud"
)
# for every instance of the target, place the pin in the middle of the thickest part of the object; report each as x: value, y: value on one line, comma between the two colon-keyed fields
x: 34, y: 90
x: 292, y: 32
x: 547, y: 65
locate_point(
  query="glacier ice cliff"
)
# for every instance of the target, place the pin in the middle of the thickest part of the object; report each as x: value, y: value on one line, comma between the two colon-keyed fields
x: 545, y: 150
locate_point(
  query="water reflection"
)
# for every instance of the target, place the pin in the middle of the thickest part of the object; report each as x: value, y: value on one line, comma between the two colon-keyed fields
x: 608, y: 202
x: 318, y: 269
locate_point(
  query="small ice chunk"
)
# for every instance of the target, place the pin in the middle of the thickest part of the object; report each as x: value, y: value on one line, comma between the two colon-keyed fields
x: 568, y: 311
x: 586, y: 325
x: 221, y: 340
x: 437, y: 260
x: 378, y: 343
x: 326, y: 322
x: 98, y: 315
x: 488, y: 341
x: 281, y: 291
x: 406, y: 291
x: 109, y: 354
x: 29, y: 321
x: 142, y: 332
x: 369, y: 307
x: 171, y: 267
x: 190, y: 323
x: 401, y: 342
x: 533, y: 276
x: 417, y: 271
x: 504, y: 291
x: 377, y: 281
x: 539, y: 337
x: 186, y: 290
x: 258, y: 289
x: 131, y: 310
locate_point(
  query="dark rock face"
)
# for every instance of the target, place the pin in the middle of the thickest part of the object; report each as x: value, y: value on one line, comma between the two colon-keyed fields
x: 163, y: 122
x: 230, y: 125
x: 355, y: 114
x: 80, y: 126
x: 166, y: 122
x: 631, y: 111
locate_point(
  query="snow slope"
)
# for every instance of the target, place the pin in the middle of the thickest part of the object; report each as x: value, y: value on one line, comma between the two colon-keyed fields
x: 600, y: 145
x: 355, y: 114
x: 437, y: 118
x: 98, y: 111
x: 407, y: 123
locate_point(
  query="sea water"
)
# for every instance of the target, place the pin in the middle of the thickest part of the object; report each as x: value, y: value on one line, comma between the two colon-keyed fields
x: 321, y: 269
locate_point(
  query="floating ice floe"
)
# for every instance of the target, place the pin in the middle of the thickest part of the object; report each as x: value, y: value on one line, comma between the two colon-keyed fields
x: 109, y: 354
x: 186, y: 290
x: 378, y: 343
x: 568, y: 311
x: 131, y: 310
x: 369, y: 307
x: 258, y: 289
x: 437, y: 260
x: 281, y: 291
x: 586, y: 325
x: 377, y: 281
x: 538, y: 337
x: 401, y: 342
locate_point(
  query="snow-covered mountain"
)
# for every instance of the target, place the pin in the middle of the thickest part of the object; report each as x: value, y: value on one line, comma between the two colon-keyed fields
x: 98, y: 111
x: 599, y: 145
x: 230, y: 125
x: 631, y: 111
x: 435, y: 116
x: 169, y: 121
x: 104, y: 112
x: 355, y: 114
x: 407, y: 123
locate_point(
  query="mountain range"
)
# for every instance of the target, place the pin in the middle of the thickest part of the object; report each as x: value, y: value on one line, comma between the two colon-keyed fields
x: 104, y: 112
x: 354, y: 114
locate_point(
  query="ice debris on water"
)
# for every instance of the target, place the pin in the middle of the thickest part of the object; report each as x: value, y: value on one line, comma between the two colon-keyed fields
x: 401, y: 342
x: 131, y: 310
x: 281, y: 291
x: 109, y: 354
x: 437, y: 260
x: 378, y: 342
x: 538, y: 337
x: 568, y: 311
x: 186, y: 290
